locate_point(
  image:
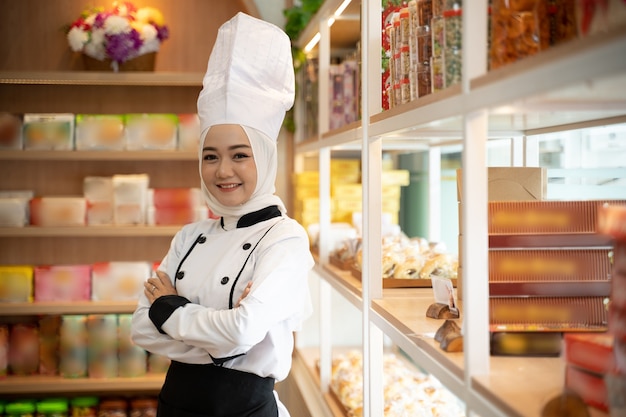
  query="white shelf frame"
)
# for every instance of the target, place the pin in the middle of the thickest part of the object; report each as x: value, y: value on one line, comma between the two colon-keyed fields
x: 473, y: 112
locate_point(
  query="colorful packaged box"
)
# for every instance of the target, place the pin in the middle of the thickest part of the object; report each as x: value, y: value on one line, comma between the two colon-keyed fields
x: 102, y: 344
x: 188, y: 132
x: 129, y: 198
x: 63, y: 283
x: 98, y: 191
x: 118, y: 281
x: 16, y: 283
x: 58, y: 211
x: 73, y: 346
x: 151, y: 131
x: 10, y: 130
x: 24, y: 349
x: 14, y: 208
x: 48, y: 131
x: 100, y: 132
x: 49, y: 328
x: 175, y: 216
x: 174, y: 197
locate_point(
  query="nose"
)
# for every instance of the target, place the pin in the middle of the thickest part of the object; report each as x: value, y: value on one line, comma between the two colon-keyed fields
x: 224, y: 169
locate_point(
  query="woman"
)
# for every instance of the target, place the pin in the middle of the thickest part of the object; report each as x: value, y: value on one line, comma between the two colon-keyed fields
x: 230, y: 292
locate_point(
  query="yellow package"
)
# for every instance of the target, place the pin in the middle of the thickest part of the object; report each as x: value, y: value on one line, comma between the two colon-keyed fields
x: 16, y: 283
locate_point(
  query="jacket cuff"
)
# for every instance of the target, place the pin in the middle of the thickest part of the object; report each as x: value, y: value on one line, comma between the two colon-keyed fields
x: 163, y: 307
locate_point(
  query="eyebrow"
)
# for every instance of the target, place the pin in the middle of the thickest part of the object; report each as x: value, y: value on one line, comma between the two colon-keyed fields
x: 230, y: 148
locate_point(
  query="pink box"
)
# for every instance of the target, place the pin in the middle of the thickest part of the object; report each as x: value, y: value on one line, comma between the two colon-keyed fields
x: 63, y: 283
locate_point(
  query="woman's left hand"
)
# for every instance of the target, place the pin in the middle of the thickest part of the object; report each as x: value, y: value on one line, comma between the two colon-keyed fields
x: 158, y: 286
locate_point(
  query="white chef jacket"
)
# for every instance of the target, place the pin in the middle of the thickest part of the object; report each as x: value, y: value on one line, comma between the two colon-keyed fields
x: 261, y: 328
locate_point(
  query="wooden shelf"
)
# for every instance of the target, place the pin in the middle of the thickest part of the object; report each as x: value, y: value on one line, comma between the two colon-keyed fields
x: 38, y: 384
x: 518, y: 386
x: 163, y: 79
x: 74, y: 307
x: 148, y: 155
x: 90, y: 231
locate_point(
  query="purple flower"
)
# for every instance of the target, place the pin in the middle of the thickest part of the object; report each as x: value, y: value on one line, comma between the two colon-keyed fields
x: 162, y: 32
x: 123, y: 46
x: 100, y: 18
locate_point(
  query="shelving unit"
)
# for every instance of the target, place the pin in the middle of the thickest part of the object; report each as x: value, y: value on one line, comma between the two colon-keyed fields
x: 576, y: 84
x: 59, y: 173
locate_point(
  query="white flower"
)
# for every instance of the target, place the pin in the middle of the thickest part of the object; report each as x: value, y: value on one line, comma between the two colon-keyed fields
x: 95, y: 47
x: 116, y: 24
x: 77, y: 38
x: 148, y: 33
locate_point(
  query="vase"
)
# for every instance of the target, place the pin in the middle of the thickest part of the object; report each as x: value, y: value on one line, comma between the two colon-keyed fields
x: 143, y: 62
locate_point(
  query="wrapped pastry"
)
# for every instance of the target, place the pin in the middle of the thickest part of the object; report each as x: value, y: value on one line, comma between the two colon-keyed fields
x: 443, y: 265
x: 410, y: 268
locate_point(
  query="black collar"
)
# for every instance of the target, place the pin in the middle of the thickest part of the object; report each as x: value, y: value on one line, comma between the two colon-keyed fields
x: 250, y: 219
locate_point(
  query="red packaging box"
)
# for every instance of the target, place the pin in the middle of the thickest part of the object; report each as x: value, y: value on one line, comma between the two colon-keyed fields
x: 590, y: 387
x: 590, y: 351
x: 63, y: 283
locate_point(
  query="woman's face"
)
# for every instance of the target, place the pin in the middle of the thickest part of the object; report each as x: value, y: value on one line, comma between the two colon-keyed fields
x: 228, y: 167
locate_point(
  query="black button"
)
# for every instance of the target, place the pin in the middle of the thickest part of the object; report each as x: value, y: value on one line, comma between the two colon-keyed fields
x: 224, y: 281
x: 180, y: 274
x: 246, y: 246
x: 201, y: 239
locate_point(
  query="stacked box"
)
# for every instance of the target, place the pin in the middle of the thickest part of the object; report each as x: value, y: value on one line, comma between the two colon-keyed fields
x: 102, y: 360
x: 62, y: 283
x: 73, y: 346
x: 175, y: 206
x: 129, y: 198
x: 49, y: 132
x: 49, y: 328
x: 100, y: 132
x: 58, y: 211
x: 98, y: 191
x: 118, y: 280
x: 16, y: 283
x: 10, y: 130
x: 14, y: 208
x: 151, y: 131
x: 188, y: 132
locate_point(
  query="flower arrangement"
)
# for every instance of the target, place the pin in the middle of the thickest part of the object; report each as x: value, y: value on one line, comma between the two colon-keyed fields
x: 119, y: 34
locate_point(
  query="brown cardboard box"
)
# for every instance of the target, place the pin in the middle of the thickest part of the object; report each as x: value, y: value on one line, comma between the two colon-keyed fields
x: 511, y: 183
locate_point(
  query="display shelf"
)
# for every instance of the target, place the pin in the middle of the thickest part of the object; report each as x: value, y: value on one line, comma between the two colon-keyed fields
x: 561, y: 240
x: 14, y: 385
x: 162, y: 79
x: 141, y: 155
x: 59, y: 307
x: 90, y: 231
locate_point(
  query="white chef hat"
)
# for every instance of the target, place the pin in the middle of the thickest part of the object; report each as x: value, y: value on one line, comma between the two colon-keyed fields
x: 249, y: 79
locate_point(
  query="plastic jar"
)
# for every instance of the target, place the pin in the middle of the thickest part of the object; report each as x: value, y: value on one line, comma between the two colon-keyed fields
x: 424, y: 45
x: 20, y: 409
x: 143, y: 407
x: 84, y: 407
x: 113, y: 408
x: 52, y: 408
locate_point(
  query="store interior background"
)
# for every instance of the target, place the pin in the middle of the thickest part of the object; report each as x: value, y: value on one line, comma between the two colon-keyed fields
x: 587, y: 163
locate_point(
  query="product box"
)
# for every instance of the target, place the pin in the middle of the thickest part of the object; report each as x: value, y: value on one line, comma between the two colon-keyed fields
x: 591, y: 387
x: 511, y: 184
x: 16, y: 283
x: 58, y: 211
x: 151, y: 131
x: 590, y: 351
x: 11, y: 130
x: 175, y: 216
x: 62, y: 283
x: 98, y: 191
x: 118, y: 281
x: 174, y: 197
x: 100, y: 132
x: 129, y: 198
x: 188, y: 132
x: 48, y: 131
x: 14, y: 208
x: 396, y: 177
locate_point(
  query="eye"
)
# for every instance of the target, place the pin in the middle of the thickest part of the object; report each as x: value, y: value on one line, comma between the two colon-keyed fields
x: 240, y: 155
x: 209, y: 157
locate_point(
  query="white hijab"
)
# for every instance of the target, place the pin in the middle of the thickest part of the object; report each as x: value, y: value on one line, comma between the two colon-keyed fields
x: 265, y: 157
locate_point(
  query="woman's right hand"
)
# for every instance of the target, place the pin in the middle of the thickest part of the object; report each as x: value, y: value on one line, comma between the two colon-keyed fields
x: 246, y: 291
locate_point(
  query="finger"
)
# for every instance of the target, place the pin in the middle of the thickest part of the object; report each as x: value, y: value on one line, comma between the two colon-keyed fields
x: 163, y: 278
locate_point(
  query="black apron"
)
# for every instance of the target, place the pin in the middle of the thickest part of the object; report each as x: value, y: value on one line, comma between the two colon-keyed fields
x: 215, y: 391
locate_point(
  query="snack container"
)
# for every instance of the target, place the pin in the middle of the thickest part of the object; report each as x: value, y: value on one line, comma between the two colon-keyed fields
x: 16, y: 283
x: 24, y: 349
x: 10, y: 130
x: 49, y: 327
x: 14, y: 211
x: 48, y: 131
x: 188, y: 132
x: 151, y: 131
x: 124, y: 322
x: 58, y: 211
x: 98, y: 191
x: 175, y: 216
x: 4, y: 350
x: 133, y: 361
x: 62, y: 283
x: 73, y: 346
x: 118, y: 281
x: 100, y: 132
x: 102, y: 343
x: 129, y: 198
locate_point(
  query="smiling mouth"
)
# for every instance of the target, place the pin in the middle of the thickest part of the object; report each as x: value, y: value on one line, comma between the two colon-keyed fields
x: 228, y: 186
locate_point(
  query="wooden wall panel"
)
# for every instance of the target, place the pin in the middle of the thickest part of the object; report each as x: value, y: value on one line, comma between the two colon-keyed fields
x: 32, y: 36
